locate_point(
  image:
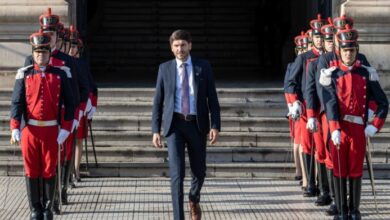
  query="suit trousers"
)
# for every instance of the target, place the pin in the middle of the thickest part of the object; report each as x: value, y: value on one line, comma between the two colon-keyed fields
x: 185, y: 134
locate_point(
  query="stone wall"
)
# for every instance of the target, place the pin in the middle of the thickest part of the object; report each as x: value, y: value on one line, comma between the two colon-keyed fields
x: 372, y: 20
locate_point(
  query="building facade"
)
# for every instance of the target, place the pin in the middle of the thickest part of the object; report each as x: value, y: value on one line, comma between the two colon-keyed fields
x: 248, y: 42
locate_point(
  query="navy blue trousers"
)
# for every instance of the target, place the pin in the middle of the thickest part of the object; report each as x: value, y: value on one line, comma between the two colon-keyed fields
x: 185, y: 134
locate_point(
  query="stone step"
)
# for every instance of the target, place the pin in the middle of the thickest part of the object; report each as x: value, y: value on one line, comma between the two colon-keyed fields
x: 269, y: 93
x: 142, y: 138
x: 245, y: 170
x: 226, y: 139
x: 145, y: 108
x: 149, y: 154
x: 143, y: 123
x: 258, y: 109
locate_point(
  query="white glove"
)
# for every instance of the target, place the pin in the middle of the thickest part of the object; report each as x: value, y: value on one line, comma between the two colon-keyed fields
x: 336, y: 137
x: 75, y: 124
x: 15, y: 136
x: 88, y: 107
x: 370, y: 115
x: 296, y: 110
x: 80, y: 115
x: 325, y: 77
x: 370, y: 131
x: 289, y: 106
x: 329, y: 71
x: 62, y: 136
x: 312, y: 124
x: 90, y: 113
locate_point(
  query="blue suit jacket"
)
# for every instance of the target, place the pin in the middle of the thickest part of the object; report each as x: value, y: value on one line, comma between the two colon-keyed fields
x: 205, y: 96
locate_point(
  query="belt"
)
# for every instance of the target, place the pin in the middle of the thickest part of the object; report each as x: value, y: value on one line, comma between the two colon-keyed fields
x: 354, y: 119
x: 42, y: 123
x: 185, y: 117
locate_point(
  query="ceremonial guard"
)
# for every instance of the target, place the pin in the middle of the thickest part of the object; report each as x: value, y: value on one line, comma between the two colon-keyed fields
x: 40, y: 91
x: 347, y: 88
x: 49, y: 24
x: 76, y: 51
x: 317, y: 122
x: 301, y: 43
x: 295, y: 89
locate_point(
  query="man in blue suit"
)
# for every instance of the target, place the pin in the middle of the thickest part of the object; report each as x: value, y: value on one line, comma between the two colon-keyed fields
x: 186, y: 94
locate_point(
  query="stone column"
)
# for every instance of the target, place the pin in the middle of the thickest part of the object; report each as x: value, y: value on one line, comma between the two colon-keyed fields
x: 18, y: 19
x: 372, y: 20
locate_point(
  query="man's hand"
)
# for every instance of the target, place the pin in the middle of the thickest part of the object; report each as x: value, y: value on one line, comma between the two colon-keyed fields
x: 62, y: 136
x: 75, y: 124
x: 370, y: 131
x: 157, y: 140
x: 213, y: 136
x: 312, y: 124
x: 296, y: 110
x: 91, y: 112
x: 15, y: 136
x: 336, y: 137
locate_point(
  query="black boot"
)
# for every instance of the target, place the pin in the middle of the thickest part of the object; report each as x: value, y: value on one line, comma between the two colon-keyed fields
x: 34, y: 198
x: 65, y: 181
x: 308, y: 161
x: 332, y: 210
x: 56, y: 202
x: 48, y: 197
x: 341, y: 198
x: 324, y: 198
x: 355, y: 189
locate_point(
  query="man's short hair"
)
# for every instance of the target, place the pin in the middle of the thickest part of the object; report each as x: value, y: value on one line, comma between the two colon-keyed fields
x: 180, y: 35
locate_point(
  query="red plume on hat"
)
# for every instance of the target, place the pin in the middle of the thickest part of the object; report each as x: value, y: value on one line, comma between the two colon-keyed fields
x: 328, y: 30
x: 316, y: 24
x: 340, y: 22
x: 347, y: 37
x: 74, y: 34
x: 40, y: 40
x: 301, y: 40
x: 48, y: 21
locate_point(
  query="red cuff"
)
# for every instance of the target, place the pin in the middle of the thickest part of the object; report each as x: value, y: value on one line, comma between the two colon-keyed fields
x: 334, y: 125
x: 378, y: 123
x: 77, y: 113
x: 372, y: 105
x: 311, y: 113
x: 287, y: 99
x: 94, y: 101
x: 291, y: 97
x: 67, y: 125
x: 14, y: 124
x: 83, y: 106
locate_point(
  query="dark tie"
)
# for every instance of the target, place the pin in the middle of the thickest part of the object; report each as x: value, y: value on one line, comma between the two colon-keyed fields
x: 185, y: 90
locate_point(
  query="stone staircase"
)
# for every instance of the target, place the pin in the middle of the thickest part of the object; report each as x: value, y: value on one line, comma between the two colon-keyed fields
x: 254, y: 141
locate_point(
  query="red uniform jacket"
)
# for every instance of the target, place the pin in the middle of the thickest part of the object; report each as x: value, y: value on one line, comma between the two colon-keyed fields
x: 39, y: 95
x: 349, y: 91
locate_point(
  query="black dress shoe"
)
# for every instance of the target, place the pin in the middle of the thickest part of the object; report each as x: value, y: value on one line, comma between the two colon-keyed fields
x: 310, y: 192
x: 332, y: 210
x: 323, y: 200
x: 298, y: 177
x: 72, y: 185
x: 340, y: 217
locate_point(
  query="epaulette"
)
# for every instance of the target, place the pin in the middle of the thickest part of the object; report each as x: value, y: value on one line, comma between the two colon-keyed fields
x: 21, y: 71
x: 66, y: 70
x: 373, y: 73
